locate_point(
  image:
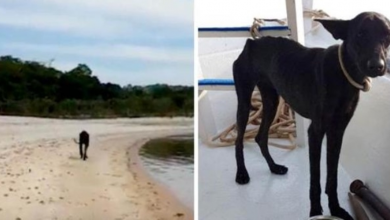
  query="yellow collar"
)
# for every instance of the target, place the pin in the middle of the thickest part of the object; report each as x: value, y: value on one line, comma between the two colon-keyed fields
x: 367, y: 81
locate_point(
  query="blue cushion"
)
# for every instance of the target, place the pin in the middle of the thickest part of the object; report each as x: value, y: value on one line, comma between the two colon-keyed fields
x: 265, y: 28
x: 216, y: 82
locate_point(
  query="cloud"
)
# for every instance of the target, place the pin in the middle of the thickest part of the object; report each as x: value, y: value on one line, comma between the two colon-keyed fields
x: 168, y: 12
x: 110, y: 51
x: 101, y: 18
x: 168, y: 75
x: 173, y: 75
x: 137, y: 42
x: 59, y: 22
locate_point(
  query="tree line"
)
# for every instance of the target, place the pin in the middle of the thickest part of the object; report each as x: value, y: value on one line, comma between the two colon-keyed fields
x: 30, y: 88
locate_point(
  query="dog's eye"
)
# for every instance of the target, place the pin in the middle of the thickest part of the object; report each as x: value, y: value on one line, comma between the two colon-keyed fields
x: 386, y: 42
x: 360, y: 34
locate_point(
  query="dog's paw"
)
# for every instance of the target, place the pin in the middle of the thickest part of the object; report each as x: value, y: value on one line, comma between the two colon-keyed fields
x: 314, y: 211
x: 242, y: 177
x: 278, y: 169
x: 341, y: 213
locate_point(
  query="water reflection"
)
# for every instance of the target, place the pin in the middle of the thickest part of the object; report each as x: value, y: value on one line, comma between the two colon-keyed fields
x: 174, y: 149
x: 170, y: 160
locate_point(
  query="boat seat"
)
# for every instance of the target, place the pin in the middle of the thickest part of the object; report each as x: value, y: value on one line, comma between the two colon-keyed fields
x: 223, y: 32
x: 216, y: 84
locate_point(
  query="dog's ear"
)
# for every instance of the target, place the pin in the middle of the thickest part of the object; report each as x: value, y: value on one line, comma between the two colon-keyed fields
x: 338, y: 28
x: 388, y: 22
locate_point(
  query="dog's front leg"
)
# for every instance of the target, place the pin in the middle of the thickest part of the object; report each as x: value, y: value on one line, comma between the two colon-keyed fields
x: 270, y: 100
x: 334, y: 142
x: 81, y: 149
x: 316, y: 134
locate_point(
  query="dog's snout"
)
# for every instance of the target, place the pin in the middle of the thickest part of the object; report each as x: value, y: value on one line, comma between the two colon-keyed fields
x: 376, y: 64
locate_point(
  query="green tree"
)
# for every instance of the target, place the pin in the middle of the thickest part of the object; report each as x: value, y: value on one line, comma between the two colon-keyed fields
x: 31, y: 88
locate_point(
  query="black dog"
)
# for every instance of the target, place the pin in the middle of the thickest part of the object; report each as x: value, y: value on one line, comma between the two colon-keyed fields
x: 313, y: 82
x: 83, y: 140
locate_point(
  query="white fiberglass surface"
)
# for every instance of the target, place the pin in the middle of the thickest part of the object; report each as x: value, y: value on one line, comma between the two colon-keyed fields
x: 267, y: 196
x: 367, y: 140
x: 231, y: 13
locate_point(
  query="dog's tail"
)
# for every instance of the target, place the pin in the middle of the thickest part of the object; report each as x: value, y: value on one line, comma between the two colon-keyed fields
x: 74, y: 139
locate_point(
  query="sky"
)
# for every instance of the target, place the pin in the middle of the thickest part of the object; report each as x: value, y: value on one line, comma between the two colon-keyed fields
x: 125, y: 42
x: 134, y: 42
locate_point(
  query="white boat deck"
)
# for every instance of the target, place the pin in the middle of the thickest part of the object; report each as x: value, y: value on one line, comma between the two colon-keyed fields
x: 267, y: 196
x: 366, y: 141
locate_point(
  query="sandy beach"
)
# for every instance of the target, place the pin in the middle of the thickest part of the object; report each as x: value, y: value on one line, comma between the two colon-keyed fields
x: 42, y: 177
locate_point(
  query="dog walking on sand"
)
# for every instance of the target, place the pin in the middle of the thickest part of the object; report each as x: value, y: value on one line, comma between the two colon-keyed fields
x: 83, y: 140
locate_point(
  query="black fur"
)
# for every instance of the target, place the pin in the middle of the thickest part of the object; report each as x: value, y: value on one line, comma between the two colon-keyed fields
x: 311, y: 81
x: 83, y: 140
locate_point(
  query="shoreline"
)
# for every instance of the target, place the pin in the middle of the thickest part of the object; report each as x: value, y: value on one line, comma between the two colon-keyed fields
x: 180, y: 210
x: 42, y: 176
x: 83, y: 118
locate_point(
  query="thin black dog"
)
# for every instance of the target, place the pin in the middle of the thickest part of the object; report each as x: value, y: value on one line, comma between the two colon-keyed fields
x: 83, y: 140
x: 312, y: 81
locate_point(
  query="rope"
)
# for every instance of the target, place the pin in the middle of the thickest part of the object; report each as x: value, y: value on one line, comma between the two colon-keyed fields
x: 260, y: 22
x: 315, y: 14
x: 367, y: 81
x: 282, y: 127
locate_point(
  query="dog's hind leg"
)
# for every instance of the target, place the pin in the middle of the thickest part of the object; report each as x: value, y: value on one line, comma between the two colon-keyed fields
x: 85, y: 151
x: 81, y: 149
x: 270, y: 100
x: 244, y: 93
x: 316, y: 134
x: 334, y: 141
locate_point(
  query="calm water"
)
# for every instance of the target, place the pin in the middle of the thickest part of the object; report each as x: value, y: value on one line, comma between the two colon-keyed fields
x: 171, y: 161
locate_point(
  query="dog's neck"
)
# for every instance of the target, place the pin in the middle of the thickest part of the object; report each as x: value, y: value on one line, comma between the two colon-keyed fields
x: 357, y: 80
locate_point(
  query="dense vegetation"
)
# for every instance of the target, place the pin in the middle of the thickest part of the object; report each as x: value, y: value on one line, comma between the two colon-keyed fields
x: 30, y: 88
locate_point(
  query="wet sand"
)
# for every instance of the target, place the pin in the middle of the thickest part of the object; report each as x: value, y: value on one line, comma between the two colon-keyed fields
x: 166, y: 199
x: 170, y: 160
x: 42, y: 177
